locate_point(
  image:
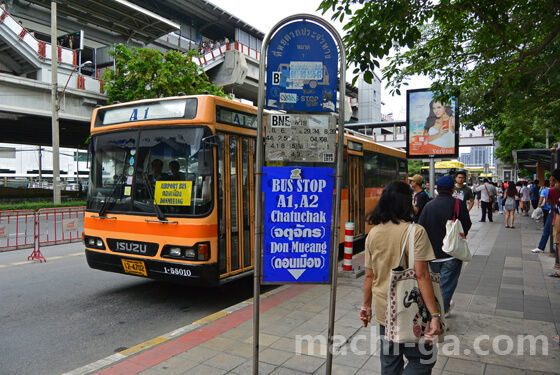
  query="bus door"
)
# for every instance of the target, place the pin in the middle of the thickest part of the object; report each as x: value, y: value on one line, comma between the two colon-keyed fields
x: 356, y: 193
x: 235, y: 188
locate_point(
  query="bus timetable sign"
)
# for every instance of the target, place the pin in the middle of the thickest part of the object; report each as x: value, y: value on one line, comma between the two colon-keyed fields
x: 297, y: 224
x: 302, y: 72
x: 297, y: 137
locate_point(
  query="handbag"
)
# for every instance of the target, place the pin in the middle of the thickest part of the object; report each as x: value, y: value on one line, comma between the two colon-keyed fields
x: 537, y: 213
x: 406, y: 317
x: 455, y: 242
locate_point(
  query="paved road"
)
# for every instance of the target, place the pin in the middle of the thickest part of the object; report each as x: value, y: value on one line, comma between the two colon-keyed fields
x: 61, y: 315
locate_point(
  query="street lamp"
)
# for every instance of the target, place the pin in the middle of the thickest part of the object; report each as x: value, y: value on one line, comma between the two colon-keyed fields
x: 66, y: 85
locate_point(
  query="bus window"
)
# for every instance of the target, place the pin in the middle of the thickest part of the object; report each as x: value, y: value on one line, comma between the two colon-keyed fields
x: 122, y: 173
x: 110, y: 169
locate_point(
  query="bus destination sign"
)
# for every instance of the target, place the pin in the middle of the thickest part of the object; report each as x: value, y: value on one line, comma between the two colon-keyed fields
x: 300, y: 138
x: 297, y: 224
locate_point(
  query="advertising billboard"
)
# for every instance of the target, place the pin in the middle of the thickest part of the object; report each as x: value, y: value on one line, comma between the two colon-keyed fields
x: 432, y: 126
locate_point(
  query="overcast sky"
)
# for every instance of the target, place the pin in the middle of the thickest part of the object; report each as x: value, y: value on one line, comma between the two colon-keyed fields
x: 265, y: 14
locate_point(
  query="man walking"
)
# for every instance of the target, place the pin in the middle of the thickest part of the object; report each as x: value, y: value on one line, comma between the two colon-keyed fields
x: 525, y: 194
x: 462, y: 191
x: 487, y: 194
x: 420, y: 197
x: 435, y: 215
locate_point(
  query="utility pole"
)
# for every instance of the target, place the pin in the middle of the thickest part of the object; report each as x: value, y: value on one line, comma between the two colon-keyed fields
x: 54, y: 105
x: 40, y: 165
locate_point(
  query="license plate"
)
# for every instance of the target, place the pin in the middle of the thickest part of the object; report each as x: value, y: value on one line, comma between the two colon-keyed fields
x: 134, y: 267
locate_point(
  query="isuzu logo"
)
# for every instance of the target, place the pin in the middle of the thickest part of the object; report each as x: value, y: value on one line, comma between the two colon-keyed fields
x: 133, y: 247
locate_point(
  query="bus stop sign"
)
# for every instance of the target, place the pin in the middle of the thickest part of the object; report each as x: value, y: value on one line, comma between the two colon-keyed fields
x: 297, y: 224
x: 302, y: 70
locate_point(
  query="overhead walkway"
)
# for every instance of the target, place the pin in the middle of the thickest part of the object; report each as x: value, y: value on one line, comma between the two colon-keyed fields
x: 25, y: 108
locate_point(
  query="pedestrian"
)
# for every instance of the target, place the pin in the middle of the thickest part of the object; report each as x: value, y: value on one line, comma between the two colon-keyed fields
x: 525, y: 196
x: 518, y: 185
x: 487, y: 193
x: 419, y: 197
x: 462, y: 191
x: 556, y: 238
x: 509, y: 204
x: 535, y: 190
x: 501, y: 189
x: 392, y: 217
x: 547, y: 219
x: 477, y: 194
x: 435, y: 215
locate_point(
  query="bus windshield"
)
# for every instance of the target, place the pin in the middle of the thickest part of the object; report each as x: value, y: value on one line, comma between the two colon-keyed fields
x: 133, y: 171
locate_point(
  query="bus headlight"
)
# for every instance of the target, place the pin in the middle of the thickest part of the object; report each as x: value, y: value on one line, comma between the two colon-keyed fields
x: 198, y: 252
x: 94, y: 242
x: 190, y: 254
x: 175, y: 252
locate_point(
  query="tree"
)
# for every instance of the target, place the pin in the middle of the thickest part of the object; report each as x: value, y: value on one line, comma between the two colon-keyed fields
x: 499, y: 57
x: 415, y: 167
x: 143, y: 73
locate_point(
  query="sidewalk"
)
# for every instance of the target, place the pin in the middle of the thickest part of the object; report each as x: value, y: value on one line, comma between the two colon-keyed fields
x: 504, y: 299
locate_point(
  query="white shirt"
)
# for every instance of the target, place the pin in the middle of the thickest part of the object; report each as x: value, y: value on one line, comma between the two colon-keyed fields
x: 485, y: 189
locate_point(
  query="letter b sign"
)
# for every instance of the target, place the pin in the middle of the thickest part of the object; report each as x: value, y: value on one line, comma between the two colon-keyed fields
x: 276, y: 78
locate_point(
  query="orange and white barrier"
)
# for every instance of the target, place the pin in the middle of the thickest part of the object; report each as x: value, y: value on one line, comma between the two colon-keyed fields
x: 348, y: 247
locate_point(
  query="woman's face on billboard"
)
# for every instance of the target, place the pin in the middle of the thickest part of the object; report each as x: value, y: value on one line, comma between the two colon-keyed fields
x: 439, y: 109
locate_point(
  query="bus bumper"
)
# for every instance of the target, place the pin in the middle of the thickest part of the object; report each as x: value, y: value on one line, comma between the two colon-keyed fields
x: 188, y: 274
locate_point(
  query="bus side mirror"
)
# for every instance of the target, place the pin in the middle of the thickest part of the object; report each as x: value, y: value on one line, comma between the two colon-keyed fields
x: 205, y: 162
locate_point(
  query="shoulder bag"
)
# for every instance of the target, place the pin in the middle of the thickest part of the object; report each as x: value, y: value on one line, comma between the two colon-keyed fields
x: 406, y: 317
x: 455, y: 242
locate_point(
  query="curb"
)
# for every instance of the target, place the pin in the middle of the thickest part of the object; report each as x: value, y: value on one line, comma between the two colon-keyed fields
x: 118, y: 357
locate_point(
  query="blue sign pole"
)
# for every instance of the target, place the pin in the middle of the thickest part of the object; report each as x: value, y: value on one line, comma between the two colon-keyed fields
x: 297, y: 224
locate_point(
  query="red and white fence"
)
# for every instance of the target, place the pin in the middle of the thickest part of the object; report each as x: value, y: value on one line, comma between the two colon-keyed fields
x: 24, y: 229
x: 17, y: 229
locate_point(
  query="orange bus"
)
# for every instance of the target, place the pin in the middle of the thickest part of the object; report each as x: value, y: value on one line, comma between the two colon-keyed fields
x: 171, y: 190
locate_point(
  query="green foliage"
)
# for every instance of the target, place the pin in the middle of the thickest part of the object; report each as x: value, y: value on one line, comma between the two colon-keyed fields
x: 414, y: 167
x: 524, y: 173
x: 499, y: 57
x: 38, y: 205
x: 146, y: 73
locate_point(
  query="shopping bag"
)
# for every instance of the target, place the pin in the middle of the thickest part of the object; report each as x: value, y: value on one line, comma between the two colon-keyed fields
x: 455, y: 242
x: 406, y: 317
x: 537, y: 213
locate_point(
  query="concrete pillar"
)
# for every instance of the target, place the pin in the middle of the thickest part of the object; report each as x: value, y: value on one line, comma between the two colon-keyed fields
x: 540, y: 174
x: 233, y: 70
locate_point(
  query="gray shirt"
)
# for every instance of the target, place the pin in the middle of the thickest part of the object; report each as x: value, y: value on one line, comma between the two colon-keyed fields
x: 464, y: 193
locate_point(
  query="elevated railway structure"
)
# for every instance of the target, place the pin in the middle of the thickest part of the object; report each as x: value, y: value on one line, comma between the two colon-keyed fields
x: 25, y: 57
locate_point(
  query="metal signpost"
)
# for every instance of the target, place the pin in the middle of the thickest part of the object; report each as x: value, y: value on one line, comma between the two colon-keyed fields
x: 296, y: 235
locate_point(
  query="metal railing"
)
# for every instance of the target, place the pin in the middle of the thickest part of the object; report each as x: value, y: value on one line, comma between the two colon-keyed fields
x: 17, y: 229
x: 23, y: 229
